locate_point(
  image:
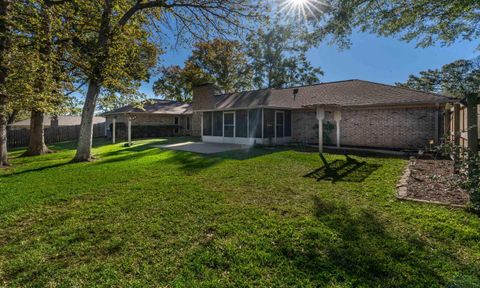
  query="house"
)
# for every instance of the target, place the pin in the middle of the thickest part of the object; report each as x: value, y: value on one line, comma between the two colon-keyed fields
x: 56, y: 121
x: 350, y: 113
x: 156, y: 118
x: 343, y: 113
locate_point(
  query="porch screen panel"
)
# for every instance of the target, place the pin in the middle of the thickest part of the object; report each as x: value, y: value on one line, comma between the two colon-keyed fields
x: 207, y: 123
x: 228, y: 124
x: 218, y: 123
x: 255, y: 123
x: 288, y: 123
x: 280, y: 124
x: 268, y: 123
x: 241, y: 123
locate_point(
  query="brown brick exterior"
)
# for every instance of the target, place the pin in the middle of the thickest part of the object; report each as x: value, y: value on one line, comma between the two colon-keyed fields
x: 203, y: 97
x: 380, y: 128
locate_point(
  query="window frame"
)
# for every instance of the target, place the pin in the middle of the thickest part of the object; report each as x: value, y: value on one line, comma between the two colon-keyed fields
x: 229, y: 125
x: 283, y: 123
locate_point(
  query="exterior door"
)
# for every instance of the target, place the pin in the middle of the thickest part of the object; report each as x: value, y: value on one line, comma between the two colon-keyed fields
x: 177, y: 121
x: 229, y: 127
x: 279, y: 124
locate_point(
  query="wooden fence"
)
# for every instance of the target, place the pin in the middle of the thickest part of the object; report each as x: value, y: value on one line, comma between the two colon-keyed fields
x: 20, y: 137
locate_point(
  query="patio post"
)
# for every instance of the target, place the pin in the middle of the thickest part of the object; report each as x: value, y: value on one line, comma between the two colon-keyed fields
x: 320, y: 116
x: 114, y: 120
x: 337, y: 116
x: 129, y: 131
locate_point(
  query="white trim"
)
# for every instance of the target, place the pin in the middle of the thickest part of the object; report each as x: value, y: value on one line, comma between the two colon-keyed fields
x: 262, y: 124
x: 225, y: 138
x: 114, y: 128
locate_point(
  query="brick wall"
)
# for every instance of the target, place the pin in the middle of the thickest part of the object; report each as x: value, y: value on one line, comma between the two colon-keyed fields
x: 381, y: 128
x: 203, y: 97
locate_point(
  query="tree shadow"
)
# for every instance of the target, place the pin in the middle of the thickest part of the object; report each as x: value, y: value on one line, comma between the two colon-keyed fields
x: 38, y: 169
x: 348, y: 170
x: 355, y: 245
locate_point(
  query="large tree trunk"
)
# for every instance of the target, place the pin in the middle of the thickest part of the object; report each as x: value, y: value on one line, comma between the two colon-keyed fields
x: 3, y: 132
x: 36, y: 144
x: 4, y: 45
x: 86, y: 127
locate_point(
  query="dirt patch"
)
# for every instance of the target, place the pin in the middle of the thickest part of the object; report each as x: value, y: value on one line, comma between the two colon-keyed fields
x: 432, y: 181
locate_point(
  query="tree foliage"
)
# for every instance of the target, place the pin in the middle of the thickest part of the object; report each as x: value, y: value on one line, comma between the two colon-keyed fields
x: 457, y: 79
x: 424, y: 21
x: 221, y: 62
x: 278, y: 57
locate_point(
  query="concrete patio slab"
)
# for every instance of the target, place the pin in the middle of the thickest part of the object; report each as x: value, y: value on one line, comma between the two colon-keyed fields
x: 202, y: 147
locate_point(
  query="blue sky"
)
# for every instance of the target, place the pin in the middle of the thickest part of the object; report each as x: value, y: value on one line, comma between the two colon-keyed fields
x: 373, y: 58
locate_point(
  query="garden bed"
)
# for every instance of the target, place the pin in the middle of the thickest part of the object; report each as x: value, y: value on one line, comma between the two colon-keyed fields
x: 432, y: 181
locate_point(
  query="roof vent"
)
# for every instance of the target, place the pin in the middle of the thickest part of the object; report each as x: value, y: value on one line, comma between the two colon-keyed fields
x: 295, y: 92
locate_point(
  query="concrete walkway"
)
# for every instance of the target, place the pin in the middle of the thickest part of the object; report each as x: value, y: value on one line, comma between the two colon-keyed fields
x: 202, y: 147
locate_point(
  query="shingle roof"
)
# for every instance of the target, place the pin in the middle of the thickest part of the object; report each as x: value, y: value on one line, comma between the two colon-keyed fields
x: 343, y: 93
x: 62, y: 121
x: 156, y: 107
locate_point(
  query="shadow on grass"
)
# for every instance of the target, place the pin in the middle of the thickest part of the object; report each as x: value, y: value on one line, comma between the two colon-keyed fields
x: 358, y: 248
x: 348, y: 170
x: 38, y: 169
x: 191, y: 162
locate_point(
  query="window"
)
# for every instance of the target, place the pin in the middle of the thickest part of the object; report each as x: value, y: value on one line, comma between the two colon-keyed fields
x: 241, y: 122
x: 229, y: 124
x: 218, y: 123
x: 279, y: 124
x: 207, y: 123
x: 188, y: 122
x: 255, y: 123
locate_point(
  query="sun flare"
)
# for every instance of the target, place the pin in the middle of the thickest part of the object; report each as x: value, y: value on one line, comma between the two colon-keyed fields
x: 302, y: 9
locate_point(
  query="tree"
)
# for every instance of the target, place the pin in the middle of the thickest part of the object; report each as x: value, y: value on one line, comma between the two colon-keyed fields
x: 47, y: 94
x: 428, y: 81
x: 278, y: 57
x: 176, y: 83
x: 199, y: 18
x: 424, y: 21
x: 221, y: 62
x: 5, y: 6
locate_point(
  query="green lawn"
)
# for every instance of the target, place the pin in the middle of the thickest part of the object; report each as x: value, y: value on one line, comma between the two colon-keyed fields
x: 142, y: 216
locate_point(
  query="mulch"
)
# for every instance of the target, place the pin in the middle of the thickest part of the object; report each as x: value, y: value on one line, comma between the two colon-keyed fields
x: 433, y: 180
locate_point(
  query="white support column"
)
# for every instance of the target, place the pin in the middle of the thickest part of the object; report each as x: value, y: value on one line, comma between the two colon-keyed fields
x: 320, y: 117
x: 129, y: 131
x: 337, y: 116
x: 201, y: 124
x: 114, y: 129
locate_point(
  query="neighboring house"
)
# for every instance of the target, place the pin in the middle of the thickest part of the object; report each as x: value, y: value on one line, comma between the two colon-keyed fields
x: 157, y: 118
x: 56, y: 121
x: 352, y: 112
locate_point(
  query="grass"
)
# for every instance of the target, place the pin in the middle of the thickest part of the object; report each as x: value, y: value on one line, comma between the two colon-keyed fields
x: 141, y: 216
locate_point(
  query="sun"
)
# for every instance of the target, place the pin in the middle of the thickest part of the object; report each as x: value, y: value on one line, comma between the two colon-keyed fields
x: 302, y: 9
